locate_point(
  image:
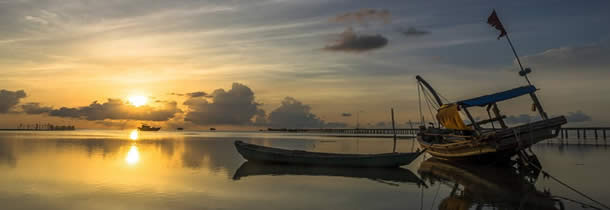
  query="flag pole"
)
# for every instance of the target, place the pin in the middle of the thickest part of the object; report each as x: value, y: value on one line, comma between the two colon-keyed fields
x: 518, y: 60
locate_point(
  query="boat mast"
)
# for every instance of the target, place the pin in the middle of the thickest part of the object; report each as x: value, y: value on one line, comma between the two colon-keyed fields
x: 436, y: 97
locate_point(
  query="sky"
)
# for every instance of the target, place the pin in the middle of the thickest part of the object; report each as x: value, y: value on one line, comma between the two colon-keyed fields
x: 287, y: 63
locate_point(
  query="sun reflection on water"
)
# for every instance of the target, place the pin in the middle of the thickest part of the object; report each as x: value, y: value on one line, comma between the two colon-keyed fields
x: 133, y: 156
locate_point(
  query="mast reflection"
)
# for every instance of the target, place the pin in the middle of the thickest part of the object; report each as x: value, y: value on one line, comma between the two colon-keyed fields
x: 477, y: 187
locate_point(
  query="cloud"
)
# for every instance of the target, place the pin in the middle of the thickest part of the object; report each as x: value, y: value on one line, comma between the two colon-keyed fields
x: 345, y: 114
x: 35, y: 108
x: 233, y: 107
x: 335, y: 125
x: 522, y: 118
x: 596, y: 57
x: 572, y: 117
x: 578, y: 116
x: 351, y: 42
x: 115, y: 109
x: 8, y: 99
x: 413, y: 32
x: 197, y: 94
x: 294, y: 114
x: 36, y: 20
x: 363, y: 16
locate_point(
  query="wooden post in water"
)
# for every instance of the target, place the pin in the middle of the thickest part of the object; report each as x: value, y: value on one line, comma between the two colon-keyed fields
x: 413, y: 139
x: 393, y: 130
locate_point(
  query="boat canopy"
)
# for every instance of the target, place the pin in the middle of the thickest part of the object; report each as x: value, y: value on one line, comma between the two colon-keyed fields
x: 500, y: 96
x: 449, y: 117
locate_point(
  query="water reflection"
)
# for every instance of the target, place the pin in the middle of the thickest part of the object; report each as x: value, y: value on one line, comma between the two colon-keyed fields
x: 390, y: 176
x: 485, y: 186
x: 133, y: 156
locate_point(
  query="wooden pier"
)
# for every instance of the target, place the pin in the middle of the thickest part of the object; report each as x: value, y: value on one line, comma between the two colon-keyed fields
x: 366, y: 131
x: 580, y: 134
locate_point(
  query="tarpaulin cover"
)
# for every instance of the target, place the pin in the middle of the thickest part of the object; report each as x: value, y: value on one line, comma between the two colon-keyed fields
x: 501, y: 96
x: 449, y: 117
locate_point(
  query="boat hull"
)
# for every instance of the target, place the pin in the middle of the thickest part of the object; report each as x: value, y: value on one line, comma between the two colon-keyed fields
x: 149, y: 129
x: 256, y: 153
x: 497, y: 146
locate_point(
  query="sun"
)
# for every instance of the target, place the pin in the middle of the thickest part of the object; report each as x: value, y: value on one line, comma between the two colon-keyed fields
x: 137, y: 100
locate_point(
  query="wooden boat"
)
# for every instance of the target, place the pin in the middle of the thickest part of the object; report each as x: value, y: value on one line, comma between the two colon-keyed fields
x: 145, y: 127
x: 452, y: 139
x: 476, y: 187
x: 384, y: 175
x: 257, y: 153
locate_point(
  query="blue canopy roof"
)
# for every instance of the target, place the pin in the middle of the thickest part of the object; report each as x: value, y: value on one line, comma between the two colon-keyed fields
x: 501, y: 96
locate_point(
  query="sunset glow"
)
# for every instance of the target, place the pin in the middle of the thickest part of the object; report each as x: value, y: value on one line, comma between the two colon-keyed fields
x: 137, y: 101
x: 134, y: 135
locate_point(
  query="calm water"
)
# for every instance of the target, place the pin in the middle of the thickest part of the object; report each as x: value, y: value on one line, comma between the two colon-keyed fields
x: 202, y: 170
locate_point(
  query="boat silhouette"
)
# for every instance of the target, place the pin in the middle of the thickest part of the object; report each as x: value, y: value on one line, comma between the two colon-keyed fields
x: 389, y: 176
x: 259, y: 153
x: 145, y: 127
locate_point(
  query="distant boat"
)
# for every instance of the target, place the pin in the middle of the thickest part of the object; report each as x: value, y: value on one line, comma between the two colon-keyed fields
x: 212, y: 129
x: 257, y: 153
x: 145, y: 127
x: 382, y: 175
x: 179, y: 129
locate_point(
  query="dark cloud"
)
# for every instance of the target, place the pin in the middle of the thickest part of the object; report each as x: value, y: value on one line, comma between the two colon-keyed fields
x: 8, y: 99
x: 412, y: 32
x: 233, y: 107
x: 335, y: 125
x: 578, y: 116
x: 115, y: 109
x: 294, y: 114
x: 197, y: 94
x: 345, y: 114
x: 522, y: 118
x: 363, y: 16
x: 35, y: 108
x: 351, y: 42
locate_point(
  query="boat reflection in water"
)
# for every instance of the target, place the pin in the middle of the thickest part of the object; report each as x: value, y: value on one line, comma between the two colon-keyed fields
x: 484, y: 186
x: 391, y: 176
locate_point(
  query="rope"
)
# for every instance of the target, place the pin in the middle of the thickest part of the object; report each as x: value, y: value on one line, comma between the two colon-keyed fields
x: 428, y: 103
x: 421, y: 116
x: 586, y: 205
x: 564, y: 184
x: 435, y: 196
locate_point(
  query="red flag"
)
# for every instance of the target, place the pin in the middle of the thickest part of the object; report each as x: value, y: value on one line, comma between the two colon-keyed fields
x: 494, y: 21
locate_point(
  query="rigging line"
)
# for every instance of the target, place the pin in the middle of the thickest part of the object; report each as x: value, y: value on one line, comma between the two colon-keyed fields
x: 430, y: 110
x: 428, y: 95
x: 421, y: 116
x: 435, y: 196
x: 575, y: 201
x: 429, y: 102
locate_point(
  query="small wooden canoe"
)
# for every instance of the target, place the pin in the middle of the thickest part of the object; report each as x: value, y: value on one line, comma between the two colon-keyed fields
x: 257, y: 153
